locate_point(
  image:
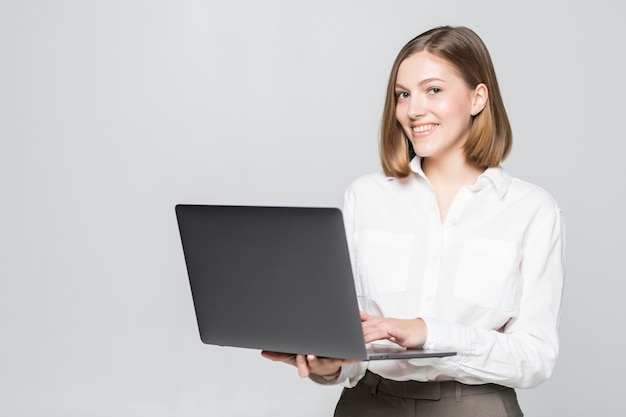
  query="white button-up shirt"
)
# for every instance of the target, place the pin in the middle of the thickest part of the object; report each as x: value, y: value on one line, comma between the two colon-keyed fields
x: 487, y: 281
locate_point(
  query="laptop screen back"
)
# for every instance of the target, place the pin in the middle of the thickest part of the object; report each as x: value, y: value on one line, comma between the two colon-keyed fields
x: 272, y: 278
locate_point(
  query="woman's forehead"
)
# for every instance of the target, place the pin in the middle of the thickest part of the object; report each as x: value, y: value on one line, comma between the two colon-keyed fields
x: 424, y: 66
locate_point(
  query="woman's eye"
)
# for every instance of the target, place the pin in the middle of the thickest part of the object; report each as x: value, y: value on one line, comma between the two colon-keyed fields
x: 402, y: 94
x: 434, y: 90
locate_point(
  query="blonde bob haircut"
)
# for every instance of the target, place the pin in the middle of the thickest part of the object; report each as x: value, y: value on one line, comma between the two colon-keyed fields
x: 490, y: 136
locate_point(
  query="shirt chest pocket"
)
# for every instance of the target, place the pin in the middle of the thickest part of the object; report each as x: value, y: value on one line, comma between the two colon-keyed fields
x: 488, y: 273
x: 382, y: 261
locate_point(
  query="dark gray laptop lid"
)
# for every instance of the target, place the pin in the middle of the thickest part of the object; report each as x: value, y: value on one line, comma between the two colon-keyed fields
x: 272, y: 278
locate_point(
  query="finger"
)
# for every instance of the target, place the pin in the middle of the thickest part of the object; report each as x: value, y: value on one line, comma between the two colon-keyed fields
x: 406, y: 337
x: 274, y: 356
x: 364, y: 316
x: 398, y: 336
x: 376, y: 330
x: 287, y: 358
x: 325, y: 366
x: 379, y: 334
x: 317, y: 365
x: 313, y: 363
x: 303, y: 366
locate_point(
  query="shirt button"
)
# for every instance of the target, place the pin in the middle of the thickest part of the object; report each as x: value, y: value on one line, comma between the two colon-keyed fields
x: 453, y: 221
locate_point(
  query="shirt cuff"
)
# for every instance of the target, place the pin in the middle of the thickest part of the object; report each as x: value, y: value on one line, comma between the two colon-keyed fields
x: 443, y: 335
x: 350, y: 374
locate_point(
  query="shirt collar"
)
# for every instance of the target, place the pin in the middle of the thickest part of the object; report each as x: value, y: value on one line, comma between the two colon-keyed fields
x: 497, y: 176
x: 416, y: 166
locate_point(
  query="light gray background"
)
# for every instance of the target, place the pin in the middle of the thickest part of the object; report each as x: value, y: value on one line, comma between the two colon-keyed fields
x: 111, y: 112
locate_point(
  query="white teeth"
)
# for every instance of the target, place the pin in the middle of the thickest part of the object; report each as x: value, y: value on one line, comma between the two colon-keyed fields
x: 424, y: 128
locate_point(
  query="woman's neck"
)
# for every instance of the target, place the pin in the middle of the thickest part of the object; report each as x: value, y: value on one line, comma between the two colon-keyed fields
x: 452, y: 172
x: 447, y: 178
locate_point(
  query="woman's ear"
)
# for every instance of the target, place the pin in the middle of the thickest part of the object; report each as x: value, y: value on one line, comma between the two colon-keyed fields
x: 480, y: 96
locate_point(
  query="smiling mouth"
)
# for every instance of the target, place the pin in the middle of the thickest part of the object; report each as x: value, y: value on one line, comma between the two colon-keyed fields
x: 424, y: 128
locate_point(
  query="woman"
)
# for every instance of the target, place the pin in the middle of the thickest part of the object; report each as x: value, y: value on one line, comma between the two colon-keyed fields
x: 449, y: 251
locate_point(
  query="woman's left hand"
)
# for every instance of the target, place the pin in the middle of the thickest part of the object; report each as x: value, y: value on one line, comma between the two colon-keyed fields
x: 409, y: 333
x: 309, y: 364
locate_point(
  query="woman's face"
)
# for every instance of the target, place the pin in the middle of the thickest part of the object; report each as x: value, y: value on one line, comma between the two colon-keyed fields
x: 434, y: 106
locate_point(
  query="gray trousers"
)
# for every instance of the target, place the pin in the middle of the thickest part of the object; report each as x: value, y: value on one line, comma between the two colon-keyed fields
x: 375, y: 396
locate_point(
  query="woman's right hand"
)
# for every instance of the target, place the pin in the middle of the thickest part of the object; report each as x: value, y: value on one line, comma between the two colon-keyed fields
x: 409, y: 333
x: 309, y: 364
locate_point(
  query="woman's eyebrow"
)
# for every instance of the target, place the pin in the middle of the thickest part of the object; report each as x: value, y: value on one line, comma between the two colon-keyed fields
x: 430, y: 80
x: 424, y: 81
x: 398, y: 85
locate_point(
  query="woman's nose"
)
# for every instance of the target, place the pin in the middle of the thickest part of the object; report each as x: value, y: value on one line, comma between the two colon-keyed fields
x: 416, y: 108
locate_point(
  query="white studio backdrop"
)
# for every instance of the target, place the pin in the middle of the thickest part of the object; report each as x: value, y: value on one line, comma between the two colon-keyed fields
x: 112, y: 112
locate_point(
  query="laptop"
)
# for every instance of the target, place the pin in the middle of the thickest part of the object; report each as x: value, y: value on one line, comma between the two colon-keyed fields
x: 276, y: 279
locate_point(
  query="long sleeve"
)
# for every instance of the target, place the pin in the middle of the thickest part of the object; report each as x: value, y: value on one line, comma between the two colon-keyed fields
x: 488, y: 281
x: 524, y: 352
